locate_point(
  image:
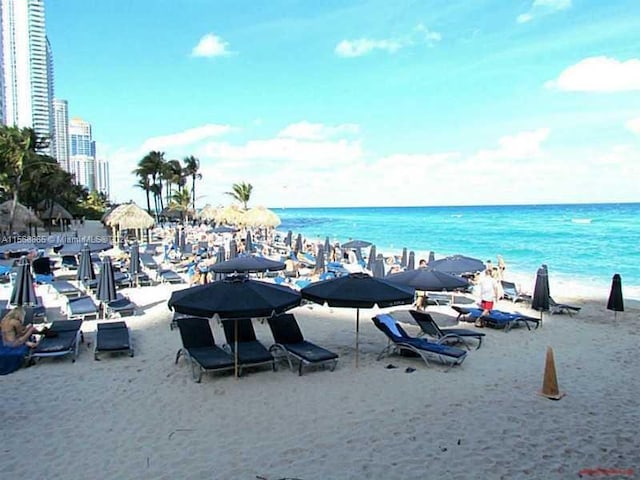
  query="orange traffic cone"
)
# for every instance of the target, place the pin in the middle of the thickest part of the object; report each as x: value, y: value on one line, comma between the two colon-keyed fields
x: 550, y: 382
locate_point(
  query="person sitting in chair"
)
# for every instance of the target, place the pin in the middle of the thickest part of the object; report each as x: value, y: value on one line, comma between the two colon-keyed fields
x: 14, y: 333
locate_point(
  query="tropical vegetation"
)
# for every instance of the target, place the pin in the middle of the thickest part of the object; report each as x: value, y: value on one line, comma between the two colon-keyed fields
x: 241, y: 192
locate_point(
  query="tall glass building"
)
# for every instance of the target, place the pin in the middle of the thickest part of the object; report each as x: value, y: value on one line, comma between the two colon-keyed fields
x: 61, y: 119
x: 26, y: 82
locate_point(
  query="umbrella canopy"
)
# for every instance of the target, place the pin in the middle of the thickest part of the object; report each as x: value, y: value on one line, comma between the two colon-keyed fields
x: 411, y: 264
x: 457, y: 265
x: 224, y: 229
x: 356, y: 244
x: 247, y: 264
x: 23, y: 292
x: 372, y: 258
x: 358, y: 290
x: 541, y: 291
x: 288, y: 240
x: 616, y: 302
x: 261, y: 217
x: 403, y: 258
x: 299, y: 246
x: 428, y: 279
x: 106, y: 282
x: 248, y: 243
x: 233, y: 249
x: 320, y: 264
x: 134, y: 260
x: 235, y: 297
x: 85, y: 266
x: 71, y: 246
x: 20, y: 247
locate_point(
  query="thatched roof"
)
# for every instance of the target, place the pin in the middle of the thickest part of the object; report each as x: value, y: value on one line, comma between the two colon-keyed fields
x: 129, y: 215
x: 23, y: 218
x: 208, y: 213
x: 261, y: 217
x: 230, y: 215
x: 58, y: 212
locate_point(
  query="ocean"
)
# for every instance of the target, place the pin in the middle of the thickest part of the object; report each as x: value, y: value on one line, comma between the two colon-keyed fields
x: 584, y: 245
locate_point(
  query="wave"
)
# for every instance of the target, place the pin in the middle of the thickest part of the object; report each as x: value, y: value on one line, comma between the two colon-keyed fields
x: 581, y: 220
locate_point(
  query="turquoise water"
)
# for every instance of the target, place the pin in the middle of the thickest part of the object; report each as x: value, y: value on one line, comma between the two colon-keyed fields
x: 585, y: 243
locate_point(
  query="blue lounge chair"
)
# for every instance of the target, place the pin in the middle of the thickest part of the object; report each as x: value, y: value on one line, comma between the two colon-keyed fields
x: 290, y: 342
x: 444, y: 335
x: 400, y: 341
x: 63, y: 338
x: 112, y: 337
x: 496, y: 318
x: 250, y: 351
x: 81, y: 308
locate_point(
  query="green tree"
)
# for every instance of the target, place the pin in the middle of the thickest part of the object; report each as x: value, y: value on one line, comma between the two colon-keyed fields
x: 191, y: 169
x: 152, y: 166
x: 180, y: 201
x: 241, y: 192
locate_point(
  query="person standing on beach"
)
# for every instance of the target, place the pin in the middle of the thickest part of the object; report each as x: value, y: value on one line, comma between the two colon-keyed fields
x: 488, y: 295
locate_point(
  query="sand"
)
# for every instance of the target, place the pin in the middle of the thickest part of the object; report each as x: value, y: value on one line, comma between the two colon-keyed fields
x: 145, y: 418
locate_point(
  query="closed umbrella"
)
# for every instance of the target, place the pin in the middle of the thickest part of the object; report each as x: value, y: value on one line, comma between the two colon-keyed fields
x: 247, y: 264
x: 616, y: 303
x: 378, y: 267
x: 540, y: 299
x: 176, y: 239
x: 85, y: 271
x: 427, y: 279
x: 457, y: 265
x: 288, y: 241
x: 106, y: 283
x: 403, y: 258
x: 248, y: 243
x: 358, y: 290
x: 320, y: 263
x: 183, y: 241
x: 411, y: 264
x: 23, y: 292
x: 233, y: 249
x: 299, y: 246
x: 327, y: 248
x: 134, y: 261
x: 221, y: 257
x: 372, y: 258
x: 432, y: 257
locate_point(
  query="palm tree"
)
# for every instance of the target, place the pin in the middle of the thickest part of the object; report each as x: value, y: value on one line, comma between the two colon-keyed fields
x: 152, y: 165
x: 180, y: 201
x: 190, y: 169
x: 143, y: 183
x: 241, y: 192
x: 172, y: 175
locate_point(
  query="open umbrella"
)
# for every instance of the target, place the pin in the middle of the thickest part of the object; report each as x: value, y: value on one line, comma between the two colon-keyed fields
x: 235, y: 297
x: 134, y: 261
x: 224, y: 229
x: 358, y: 290
x: 540, y: 299
x: 247, y: 264
x: 427, y: 279
x: 106, y: 282
x: 457, y: 265
x: 411, y: 264
x: 23, y: 292
x: 85, y: 266
x: 71, y: 246
x: 616, y: 302
x: 356, y: 244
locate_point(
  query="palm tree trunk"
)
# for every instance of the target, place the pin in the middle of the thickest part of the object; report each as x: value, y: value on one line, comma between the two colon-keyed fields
x: 148, y: 201
x: 193, y: 193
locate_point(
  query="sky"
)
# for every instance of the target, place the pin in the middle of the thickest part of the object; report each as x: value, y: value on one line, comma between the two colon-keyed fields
x: 361, y: 103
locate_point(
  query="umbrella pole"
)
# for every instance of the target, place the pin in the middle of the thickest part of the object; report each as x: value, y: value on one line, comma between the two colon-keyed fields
x: 357, y: 334
x: 235, y: 349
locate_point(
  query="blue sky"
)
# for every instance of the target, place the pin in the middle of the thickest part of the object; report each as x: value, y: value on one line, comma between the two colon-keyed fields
x: 371, y: 102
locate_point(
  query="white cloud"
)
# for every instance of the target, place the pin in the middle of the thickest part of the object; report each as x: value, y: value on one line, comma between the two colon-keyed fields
x: 185, y: 138
x: 420, y: 35
x: 634, y: 125
x: 599, y: 74
x: 317, y: 131
x: 543, y: 7
x: 521, y: 146
x: 210, y: 45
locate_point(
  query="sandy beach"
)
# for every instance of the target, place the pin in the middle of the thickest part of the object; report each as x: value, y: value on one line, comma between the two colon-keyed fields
x: 145, y: 418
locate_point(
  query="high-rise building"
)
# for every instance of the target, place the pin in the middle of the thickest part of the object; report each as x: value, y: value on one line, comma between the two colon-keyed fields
x: 102, y: 176
x: 89, y: 171
x: 80, y: 138
x: 27, y: 68
x: 61, y: 119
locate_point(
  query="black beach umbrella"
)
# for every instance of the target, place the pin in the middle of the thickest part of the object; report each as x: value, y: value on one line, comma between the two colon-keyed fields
x: 20, y: 247
x: 23, y: 292
x: 134, y: 261
x: 74, y: 248
x: 288, y: 240
x: 85, y: 266
x: 327, y: 247
x: 411, y: 264
x: 176, y: 239
x: 233, y: 249
x: 403, y: 259
x: 372, y: 258
x: 235, y: 297
x: 457, y: 265
x: 299, y: 246
x: 356, y: 244
x: 540, y: 299
x: 183, y: 241
x: 378, y: 267
x: 427, y: 279
x: 616, y: 303
x: 221, y: 257
x: 358, y: 290
x: 106, y: 282
x: 320, y: 264
x: 247, y: 264
x: 248, y: 243
x: 224, y: 229
x: 432, y: 257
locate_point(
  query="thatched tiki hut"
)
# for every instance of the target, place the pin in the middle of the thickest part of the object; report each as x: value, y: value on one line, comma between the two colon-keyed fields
x: 208, y: 213
x: 261, y: 217
x: 129, y: 217
x: 24, y: 219
x: 52, y: 213
x: 230, y: 215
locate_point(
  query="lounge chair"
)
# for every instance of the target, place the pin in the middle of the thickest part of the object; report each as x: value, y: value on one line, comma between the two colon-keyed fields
x: 63, y: 338
x: 169, y: 276
x: 399, y: 341
x: 291, y: 343
x: 496, y: 318
x: 81, y: 308
x: 444, y: 335
x: 69, y: 262
x: 112, y: 337
x: 42, y: 270
x: 121, y: 306
x: 32, y: 313
x: 250, y: 351
x: 555, y: 307
x: 148, y: 262
x: 199, y: 348
x: 65, y: 288
x: 511, y: 292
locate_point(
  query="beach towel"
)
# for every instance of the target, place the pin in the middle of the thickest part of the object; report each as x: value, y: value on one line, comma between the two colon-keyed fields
x: 11, y: 358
